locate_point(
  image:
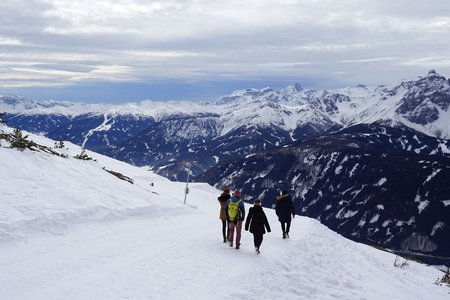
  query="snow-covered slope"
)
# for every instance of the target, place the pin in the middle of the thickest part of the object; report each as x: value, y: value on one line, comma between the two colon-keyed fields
x: 71, y: 230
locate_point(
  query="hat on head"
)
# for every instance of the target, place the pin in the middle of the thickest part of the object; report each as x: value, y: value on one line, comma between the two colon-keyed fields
x: 237, y: 193
x: 257, y: 201
x: 226, y: 190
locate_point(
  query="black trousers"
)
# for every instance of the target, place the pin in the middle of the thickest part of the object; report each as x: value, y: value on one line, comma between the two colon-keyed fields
x: 257, y: 239
x: 285, y: 226
x: 225, y: 229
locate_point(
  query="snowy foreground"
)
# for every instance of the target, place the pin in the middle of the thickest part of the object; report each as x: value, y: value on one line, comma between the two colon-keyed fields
x: 70, y: 230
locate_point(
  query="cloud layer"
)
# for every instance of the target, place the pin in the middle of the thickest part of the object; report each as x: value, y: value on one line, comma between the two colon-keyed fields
x: 62, y: 44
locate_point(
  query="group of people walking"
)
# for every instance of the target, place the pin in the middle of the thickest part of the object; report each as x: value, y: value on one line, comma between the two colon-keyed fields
x: 232, y: 215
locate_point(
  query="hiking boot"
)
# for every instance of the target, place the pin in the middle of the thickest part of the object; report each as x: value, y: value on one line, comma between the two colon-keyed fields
x: 257, y: 250
x: 237, y: 246
x: 231, y: 243
x: 225, y: 240
x: 287, y: 235
x: 284, y: 235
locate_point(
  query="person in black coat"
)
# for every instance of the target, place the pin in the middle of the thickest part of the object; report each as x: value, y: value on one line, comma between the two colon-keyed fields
x: 257, y: 222
x: 284, y: 209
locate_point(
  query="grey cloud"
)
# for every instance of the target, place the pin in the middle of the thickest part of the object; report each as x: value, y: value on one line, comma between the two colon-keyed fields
x: 325, y: 42
x: 22, y: 18
x: 409, y: 9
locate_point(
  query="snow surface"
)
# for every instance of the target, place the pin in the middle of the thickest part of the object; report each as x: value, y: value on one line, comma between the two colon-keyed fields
x: 70, y: 230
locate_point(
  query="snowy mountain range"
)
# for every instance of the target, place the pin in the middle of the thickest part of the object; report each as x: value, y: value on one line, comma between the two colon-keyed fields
x: 72, y: 229
x: 164, y: 135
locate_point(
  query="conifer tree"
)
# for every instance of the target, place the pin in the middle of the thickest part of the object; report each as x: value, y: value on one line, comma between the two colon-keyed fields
x: 19, y: 141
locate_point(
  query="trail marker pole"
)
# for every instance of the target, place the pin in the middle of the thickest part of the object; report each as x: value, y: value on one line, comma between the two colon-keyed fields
x: 186, y: 190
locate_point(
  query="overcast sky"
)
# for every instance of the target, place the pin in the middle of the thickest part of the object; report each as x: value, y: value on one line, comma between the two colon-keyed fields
x: 130, y: 50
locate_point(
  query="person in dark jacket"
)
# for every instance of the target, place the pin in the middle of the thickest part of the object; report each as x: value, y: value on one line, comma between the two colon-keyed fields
x: 223, y: 217
x: 257, y: 222
x: 284, y: 209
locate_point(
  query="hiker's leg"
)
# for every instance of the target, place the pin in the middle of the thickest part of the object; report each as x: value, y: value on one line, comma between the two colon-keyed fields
x: 238, y: 233
x: 283, y: 228
x: 258, y: 240
x: 231, y: 231
x: 288, y: 226
x: 224, y: 228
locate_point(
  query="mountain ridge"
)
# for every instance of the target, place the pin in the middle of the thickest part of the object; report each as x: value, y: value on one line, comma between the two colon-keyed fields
x: 161, y: 132
x: 346, y: 106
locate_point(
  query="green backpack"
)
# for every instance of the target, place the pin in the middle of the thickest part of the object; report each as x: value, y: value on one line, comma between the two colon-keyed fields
x: 234, y: 212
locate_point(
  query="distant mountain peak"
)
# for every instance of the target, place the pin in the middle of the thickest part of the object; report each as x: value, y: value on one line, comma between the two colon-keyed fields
x: 423, y: 103
x: 298, y: 87
x: 433, y: 75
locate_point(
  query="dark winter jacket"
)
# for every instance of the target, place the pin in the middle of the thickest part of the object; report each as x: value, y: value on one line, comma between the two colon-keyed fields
x: 284, y: 208
x: 257, y: 220
x: 223, y: 201
x: 241, y: 208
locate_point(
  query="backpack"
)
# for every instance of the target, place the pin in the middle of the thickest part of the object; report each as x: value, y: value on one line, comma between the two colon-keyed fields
x: 234, y: 213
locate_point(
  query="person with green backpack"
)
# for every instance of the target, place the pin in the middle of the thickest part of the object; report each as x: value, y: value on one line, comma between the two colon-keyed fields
x: 235, y: 212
